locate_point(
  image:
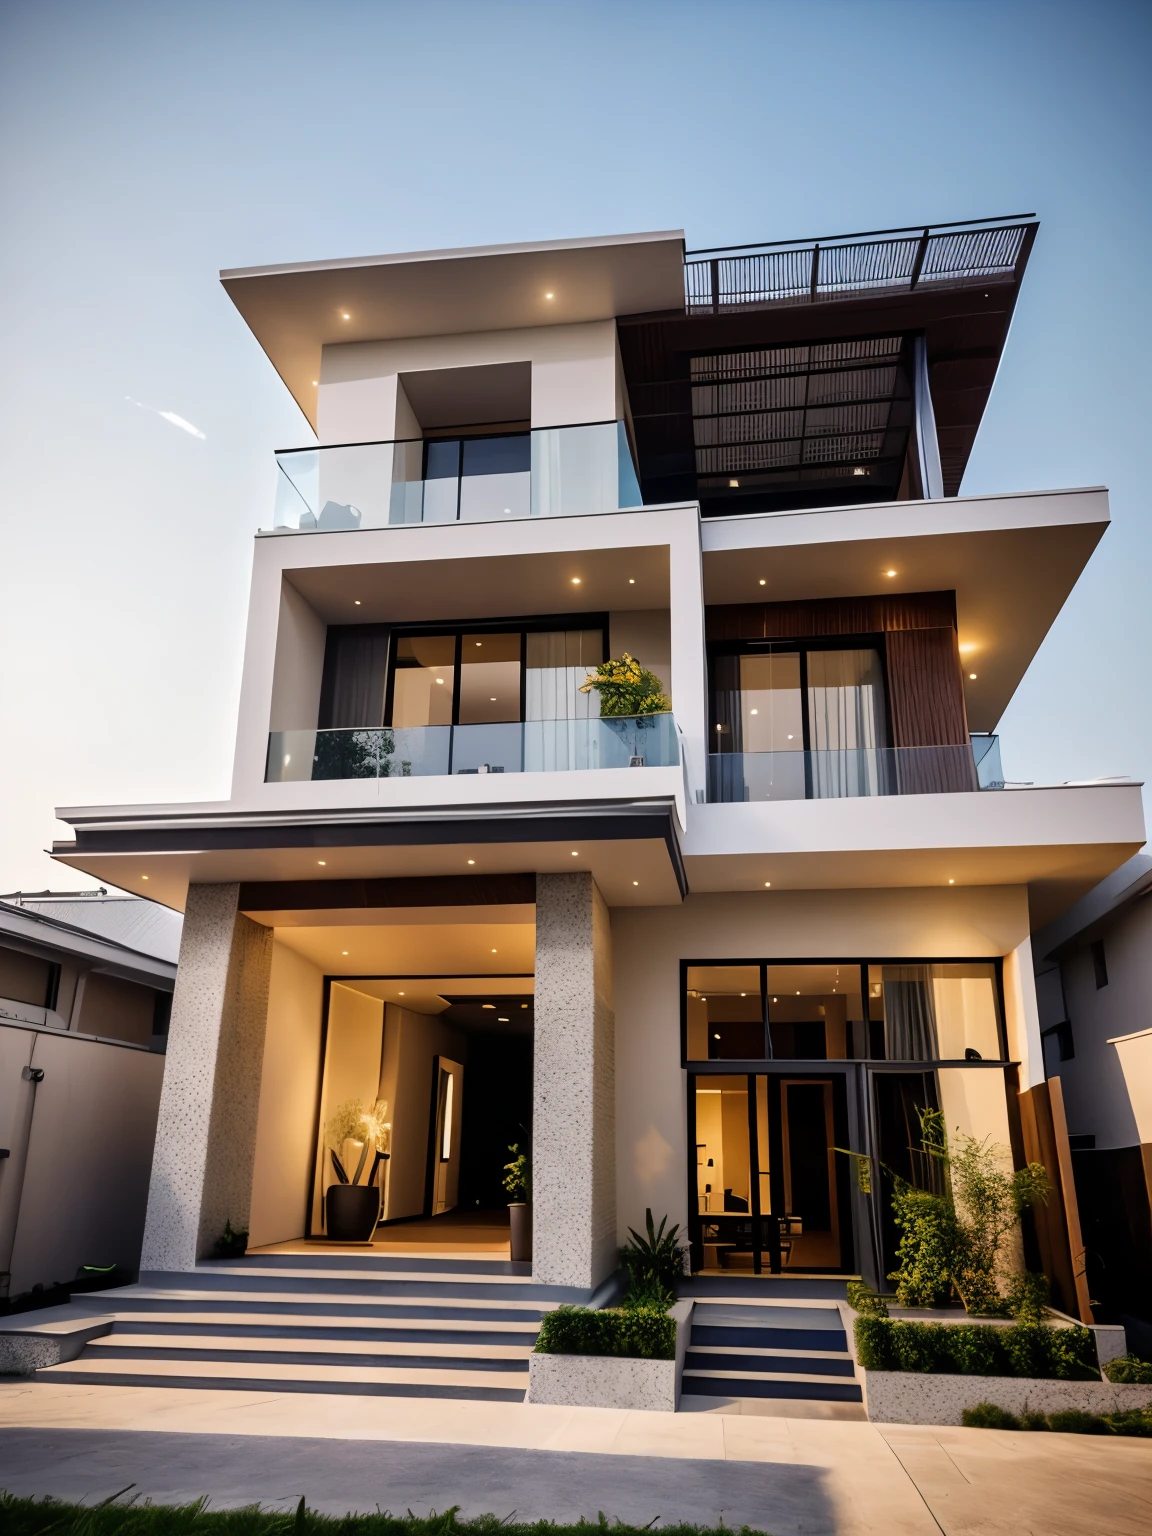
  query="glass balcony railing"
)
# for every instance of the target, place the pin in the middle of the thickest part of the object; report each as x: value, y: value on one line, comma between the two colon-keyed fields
x: 549, y: 472
x: 530, y: 746
x: 855, y: 772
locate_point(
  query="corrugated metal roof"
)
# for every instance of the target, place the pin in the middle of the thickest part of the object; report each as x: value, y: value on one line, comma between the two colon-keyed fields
x: 143, y: 926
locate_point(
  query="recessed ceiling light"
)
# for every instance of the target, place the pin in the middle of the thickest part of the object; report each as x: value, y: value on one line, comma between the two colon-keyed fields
x: 715, y: 1037
x: 767, y: 883
x: 523, y: 1005
x: 356, y: 601
x: 493, y: 951
x: 951, y: 882
x: 492, y: 698
x: 321, y: 862
x: 575, y: 581
x: 734, y: 485
x: 635, y: 882
x: 343, y: 951
x: 753, y: 711
x: 345, y: 315
x: 439, y: 679
x: 479, y: 643
x: 631, y: 581
x: 575, y: 854
x: 549, y: 295
x: 763, y: 582
x: 400, y: 994
x: 315, y: 382
x: 143, y: 877
x: 971, y: 677
x: 500, y: 1019
x: 471, y: 861
x: 889, y: 573
x: 490, y: 1006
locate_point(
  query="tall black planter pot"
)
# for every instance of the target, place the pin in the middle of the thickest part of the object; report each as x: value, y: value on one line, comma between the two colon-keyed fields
x: 351, y: 1212
x: 520, y: 1236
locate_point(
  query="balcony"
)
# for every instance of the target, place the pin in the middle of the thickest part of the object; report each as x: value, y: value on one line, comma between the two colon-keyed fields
x: 549, y: 472
x: 855, y: 772
x: 530, y: 746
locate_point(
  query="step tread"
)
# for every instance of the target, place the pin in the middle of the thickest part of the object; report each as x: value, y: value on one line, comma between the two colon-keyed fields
x: 355, y: 1388
x: 758, y: 1365
x: 719, y: 1385
x: 289, y: 1326
x: 734, y: 1374
x: 127, y: 1343
x: 118, y: 1301
x: 756, y: 1352
x: 272, y: 1371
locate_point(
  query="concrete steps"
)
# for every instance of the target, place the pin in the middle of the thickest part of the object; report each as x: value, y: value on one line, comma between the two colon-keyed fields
x: 358, y: 1324
x: 761, y: 1348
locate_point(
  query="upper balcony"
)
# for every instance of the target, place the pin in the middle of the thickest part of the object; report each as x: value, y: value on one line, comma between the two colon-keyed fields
x: 550, y: 472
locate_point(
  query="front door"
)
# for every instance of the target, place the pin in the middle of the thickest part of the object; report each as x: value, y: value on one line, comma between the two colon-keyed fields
x: 770, y: 1191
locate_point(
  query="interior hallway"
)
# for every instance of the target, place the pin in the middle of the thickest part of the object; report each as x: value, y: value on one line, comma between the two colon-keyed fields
x: 459, y: 1232
x: 786, y: 1476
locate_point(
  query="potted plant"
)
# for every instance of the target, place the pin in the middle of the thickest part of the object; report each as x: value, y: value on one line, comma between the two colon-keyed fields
x: 630, y: 695
x: 352, y: 1208
x: 518, y: 1183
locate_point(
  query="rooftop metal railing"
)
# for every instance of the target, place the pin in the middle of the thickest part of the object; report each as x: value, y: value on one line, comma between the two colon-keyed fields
x: 933, y: 256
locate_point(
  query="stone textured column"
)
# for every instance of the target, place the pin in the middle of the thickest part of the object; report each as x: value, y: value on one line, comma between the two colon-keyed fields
x: 574, y: 1085
x: 206, y: 1134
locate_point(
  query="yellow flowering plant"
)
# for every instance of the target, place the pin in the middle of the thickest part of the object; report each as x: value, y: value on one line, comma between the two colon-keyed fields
x: 627, y: 688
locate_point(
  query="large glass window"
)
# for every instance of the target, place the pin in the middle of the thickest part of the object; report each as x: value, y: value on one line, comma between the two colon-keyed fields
x: 423, y: 680
x: 489, y: 678
x: 844, y: 1010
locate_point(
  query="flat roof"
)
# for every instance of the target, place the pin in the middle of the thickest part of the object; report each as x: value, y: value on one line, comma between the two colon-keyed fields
x: 296, y: 309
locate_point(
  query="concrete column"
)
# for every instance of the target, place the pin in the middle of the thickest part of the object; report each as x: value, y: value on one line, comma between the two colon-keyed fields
x: 206, y: 1134
x: 574, y: 1086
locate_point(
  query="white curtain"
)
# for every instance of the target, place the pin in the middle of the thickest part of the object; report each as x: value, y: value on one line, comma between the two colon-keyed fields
x: 846, y: 723
x: 555, y: 711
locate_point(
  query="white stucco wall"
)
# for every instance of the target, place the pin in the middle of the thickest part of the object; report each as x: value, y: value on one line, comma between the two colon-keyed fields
x: 649, y: 943
x: 574, y: 377
x: 288, y: 1088
x: 299, y: 664
x: 1096, y: 1095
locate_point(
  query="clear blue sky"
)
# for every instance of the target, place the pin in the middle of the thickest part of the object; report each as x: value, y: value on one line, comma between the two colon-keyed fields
x: 148, y: 145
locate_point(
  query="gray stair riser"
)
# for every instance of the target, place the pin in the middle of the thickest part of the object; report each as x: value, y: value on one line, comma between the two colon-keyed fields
x: 788, y: 1365
x: 383, y: 1335
x: 774, y: 1287
x: 262, y: 1384
x: 309, y: 1357
x: 821, y: 1339
x: 328, y: 1261
x: 728, y: 1386
x: 358, y: 1289
x: 142, y: 1305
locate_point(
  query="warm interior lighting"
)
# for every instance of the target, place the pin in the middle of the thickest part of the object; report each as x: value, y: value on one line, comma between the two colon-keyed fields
x: 631, y: 581
x: 321, y: 862
x: 493, y: 951
x: 889, y: 573
x: 763, y: 582
x: 971, y: 677
x: 523, y: 1005
x: 439, y: 679
x: 575, y: 855
x: 734, y: 485
x: 343, y: 951
x: 951, y: 882
x: 143, y: 877
x: 489, y: 1005
x: 715, y: 1037
x: 767, y: 883
x: 345, y: 315
x: 549, y: 295
x: 500, y: 1019
x: 356, y: 601
x: 479, y: 643
x: 635, y: 882
x: 400, y: 994
x: 753, y: 711
x: 315, y: 382
x: 859, y: 470
x: 471, y: 861
x: 575, y: 581
x: 966, y: 646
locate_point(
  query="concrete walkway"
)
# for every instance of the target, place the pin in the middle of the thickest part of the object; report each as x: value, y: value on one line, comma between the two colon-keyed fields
x: 790, y: 1477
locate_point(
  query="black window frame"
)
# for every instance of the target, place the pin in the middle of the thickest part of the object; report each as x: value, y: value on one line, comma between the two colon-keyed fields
x: 779, y: 646
x: 754, y: 1064
x: 525, y: 626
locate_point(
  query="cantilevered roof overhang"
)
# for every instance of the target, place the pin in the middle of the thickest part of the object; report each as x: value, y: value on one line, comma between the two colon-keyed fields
x: 296, y: 310
x: 631, y: 848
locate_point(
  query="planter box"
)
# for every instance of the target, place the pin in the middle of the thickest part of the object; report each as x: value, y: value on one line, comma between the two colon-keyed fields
x: 913, y: 1397
x: 612, y: 1381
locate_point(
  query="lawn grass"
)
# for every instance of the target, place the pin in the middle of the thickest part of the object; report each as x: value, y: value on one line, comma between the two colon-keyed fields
x: 120, y: 1516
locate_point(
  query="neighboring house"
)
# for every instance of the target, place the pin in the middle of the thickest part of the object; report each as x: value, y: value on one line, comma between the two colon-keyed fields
x: 690, y: 955
x: 85, y: 996
x: 1094, y: 985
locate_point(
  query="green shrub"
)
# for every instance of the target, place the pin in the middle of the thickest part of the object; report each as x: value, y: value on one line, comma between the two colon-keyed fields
x: 926, y: 1248
x: 1074, y: 1421
x: 1033, y: 1421
x: 1027, y: 1298
x: 976, y: 1349
x: 638, y: 1332
x: 1131, y: 1421
x: 862, y: 1298
x: 988, y: 1416
x: 654, y: 1261
x: 1129, y: 1370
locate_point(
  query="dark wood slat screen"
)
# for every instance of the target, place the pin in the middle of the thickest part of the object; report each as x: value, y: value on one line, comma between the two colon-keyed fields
x: 879, y: 614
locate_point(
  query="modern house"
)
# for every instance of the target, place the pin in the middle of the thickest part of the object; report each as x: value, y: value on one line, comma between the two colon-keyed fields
x: 85, y: 995
x: 686, y: 956
x: 1094, y: 986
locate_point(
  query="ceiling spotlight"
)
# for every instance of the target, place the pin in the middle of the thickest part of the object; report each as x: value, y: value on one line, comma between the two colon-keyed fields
x: 753, y: 711
x: 951, y: 882
x: 345, y: 315
x: 523, y: 1005
x: 321, y: 862
x: 767, y: 883
x: 439, y: 679
x: 491, y: 1006
x: 575, y: 854
x: 715, y: 1037
x: 889, y: 573
x: 631, y: 581
x: 734, y: 485
x: 400, y: 994
x: 549, y: 295
x: 471, y: 861
x: 143, y: 877
x: 763, y: 582
x: 343, y: 951
x: 479, y: 643
x: 635, y: 882
x: 356, y: 602
x: 493, y: 951
x: 971, y: 677
x: 575, y: 581
x: 315, y: 382
x: 500, y: 1019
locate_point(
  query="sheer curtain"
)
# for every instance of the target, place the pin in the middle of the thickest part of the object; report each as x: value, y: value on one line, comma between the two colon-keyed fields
x: 846, y: 722
x: 910, y: 1032
x: 555, y: 736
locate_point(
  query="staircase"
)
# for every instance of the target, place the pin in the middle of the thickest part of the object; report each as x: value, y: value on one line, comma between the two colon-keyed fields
x: 752, y: 1340
x: 374, y: 1324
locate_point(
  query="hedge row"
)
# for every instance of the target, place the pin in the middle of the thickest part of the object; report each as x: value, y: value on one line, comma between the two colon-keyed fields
x: 975, y: 1349
x: 644, y: 1333
x: 1072, y: 1421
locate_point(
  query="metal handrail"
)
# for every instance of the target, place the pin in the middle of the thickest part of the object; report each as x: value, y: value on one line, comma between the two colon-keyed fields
x: 863, y: 234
